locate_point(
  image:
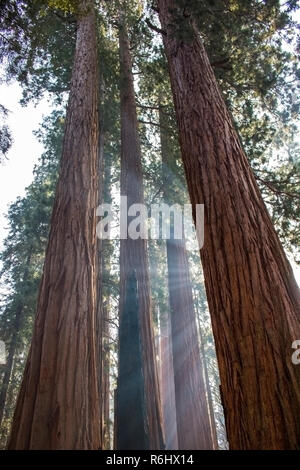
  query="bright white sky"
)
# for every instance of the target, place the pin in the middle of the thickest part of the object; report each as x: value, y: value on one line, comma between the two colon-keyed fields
x: 16, y: 171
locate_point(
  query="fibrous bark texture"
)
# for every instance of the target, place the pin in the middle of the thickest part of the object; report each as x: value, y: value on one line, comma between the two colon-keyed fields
x: 58, y: 404
x: 252, y: 295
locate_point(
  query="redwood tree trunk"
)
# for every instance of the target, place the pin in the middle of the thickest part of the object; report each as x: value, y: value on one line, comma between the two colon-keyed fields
x: 133, y: 253
x: 106, y: 309
x: 132, y: 431
x: 167, y: 383
x: 209, y: 394
x: 58, y: 405
x: 105, y: 377
x: 252, y: 294
x: 192, y: 415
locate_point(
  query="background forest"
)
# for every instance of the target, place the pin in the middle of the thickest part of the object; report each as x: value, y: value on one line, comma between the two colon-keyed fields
x: 253, y: 51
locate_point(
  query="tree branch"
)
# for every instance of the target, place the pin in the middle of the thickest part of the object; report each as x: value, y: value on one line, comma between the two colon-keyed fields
x: 70, y: 20
x: 221, y: 63
x: 154, y: 8
x: 275, y: 190
x: 14, y: 44
x: 155, y: 28
x: 149, y: 122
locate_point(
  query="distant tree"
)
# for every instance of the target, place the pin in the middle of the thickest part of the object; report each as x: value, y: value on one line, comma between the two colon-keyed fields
x: 132, y: 429
x: 5, y: 134
x: 133, y: 253
x: 192, y: 413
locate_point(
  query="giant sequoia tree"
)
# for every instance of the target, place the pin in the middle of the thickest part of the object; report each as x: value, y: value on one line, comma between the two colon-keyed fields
x: 252, y: 294
x: 58, y: 404
x: 133, y: 253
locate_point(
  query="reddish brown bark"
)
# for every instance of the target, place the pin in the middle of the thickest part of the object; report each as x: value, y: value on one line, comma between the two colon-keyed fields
x: 58, y: 405
x: 252, y: 294
x: 133, y: 253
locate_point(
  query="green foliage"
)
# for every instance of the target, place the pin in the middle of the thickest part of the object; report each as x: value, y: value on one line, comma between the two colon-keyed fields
x: 32, y: 48
x: 5, y: 134
x: 22, y: 256
x: 67, y: 6
x: 252, y: 48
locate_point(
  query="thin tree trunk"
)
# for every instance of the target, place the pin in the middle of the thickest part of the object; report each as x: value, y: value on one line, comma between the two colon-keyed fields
x: 106, y: 304
x: 58, y: 405
x: 105, y: 376
x: 209, y: 395
x: 100, y: 307
x: 10, y: 359
x: 133, y: 253
x: 167, y: 383
x: 115, y: 441
x: 193, y: 424
x: 132, y: 431
x: 252, y: 294
x: 13, y: 343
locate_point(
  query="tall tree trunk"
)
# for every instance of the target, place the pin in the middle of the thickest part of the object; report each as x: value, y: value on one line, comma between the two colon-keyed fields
x: 132, y: 431
x: 252, y: 294
x: 58, y: 405
x: 10, y: 360
x: 105, y: 375
x: 209, y: 395
x: 193, y: 424
x: 167, y: 383
x: 106, y: 255
x: 100, y: 307
x: 133, y: 253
